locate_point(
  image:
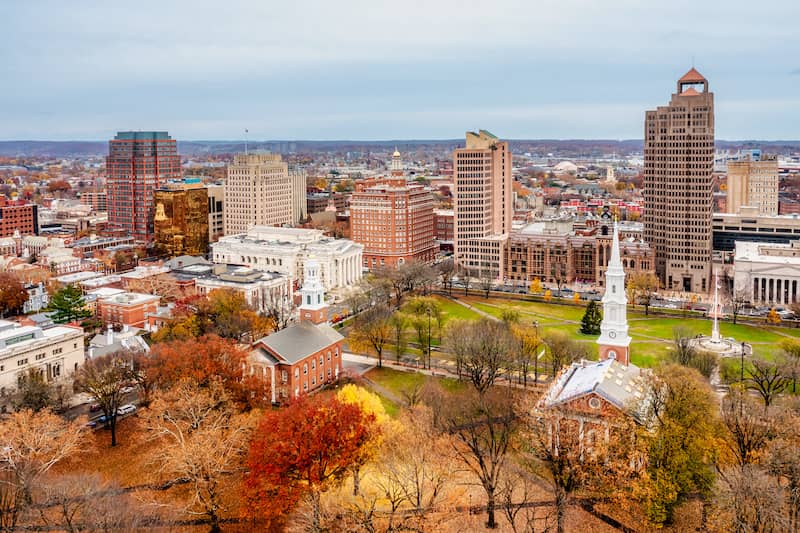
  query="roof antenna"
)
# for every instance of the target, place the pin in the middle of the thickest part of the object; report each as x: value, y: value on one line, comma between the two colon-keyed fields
x: 245, y: 141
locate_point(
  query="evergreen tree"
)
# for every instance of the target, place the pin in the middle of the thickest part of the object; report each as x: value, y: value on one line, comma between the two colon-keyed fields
x: 590, y: 323
x: 68, y: 305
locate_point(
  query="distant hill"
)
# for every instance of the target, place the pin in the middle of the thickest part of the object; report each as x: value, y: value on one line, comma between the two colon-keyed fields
x: 563, y: 147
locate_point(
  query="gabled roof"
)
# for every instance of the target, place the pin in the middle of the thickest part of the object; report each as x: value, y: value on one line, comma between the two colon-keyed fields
x: 692, y: 77
x: 690, y: 92
x: 620, y: 385
x: 300, y: 340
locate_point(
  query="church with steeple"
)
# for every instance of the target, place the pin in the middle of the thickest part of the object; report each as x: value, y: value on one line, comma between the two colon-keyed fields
x: 593, y: 393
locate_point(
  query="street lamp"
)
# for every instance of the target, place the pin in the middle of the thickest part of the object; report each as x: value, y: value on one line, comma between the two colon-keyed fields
x: 428, y: 311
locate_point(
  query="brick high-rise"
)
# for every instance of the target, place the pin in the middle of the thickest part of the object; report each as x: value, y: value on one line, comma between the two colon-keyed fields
x: 483, y: 204
x: 138, y: 163
x: 678, y: 163
x: 394, y: 221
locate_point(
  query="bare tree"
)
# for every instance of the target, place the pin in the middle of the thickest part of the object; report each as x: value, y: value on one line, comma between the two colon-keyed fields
x: 482, y: 427
x: 446, y: 272
x: 32, y: 443
x: 280, y: 312
x: 750, y: 430
x: 486, y: 281
x: 465, y: 275
x: 767, y: 379
x: 527, y: 356
x: 203, y: 440
x: 563, y: 350
x: 484, y: 350
x: 398, y: 323
x: 748, y: 500
x: 104, y: 378
x: 682, y: 341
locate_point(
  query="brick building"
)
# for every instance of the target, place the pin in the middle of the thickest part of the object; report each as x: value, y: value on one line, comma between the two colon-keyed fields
x: 17, y: 216
x: 394, y: 221
x: 444, y: 222
x: 304, y: 356
x: 138, y: 163
x: 127, y: 308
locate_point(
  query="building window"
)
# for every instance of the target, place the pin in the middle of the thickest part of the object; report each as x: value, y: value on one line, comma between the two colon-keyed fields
x: 296, y: 373
x: 313, y: 365
x: 305, y: 369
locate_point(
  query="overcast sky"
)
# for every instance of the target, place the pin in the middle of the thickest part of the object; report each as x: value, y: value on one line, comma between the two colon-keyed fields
x: 333, y: 69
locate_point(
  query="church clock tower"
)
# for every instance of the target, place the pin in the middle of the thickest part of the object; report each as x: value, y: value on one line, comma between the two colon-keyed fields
x: 614, y: 340
x: 313, y: 307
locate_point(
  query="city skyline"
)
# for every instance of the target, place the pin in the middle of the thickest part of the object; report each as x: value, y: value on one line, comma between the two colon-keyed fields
x: 343, y: 71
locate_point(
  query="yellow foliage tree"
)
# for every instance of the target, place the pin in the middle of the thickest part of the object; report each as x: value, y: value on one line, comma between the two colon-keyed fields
x: 370, y: 404
x: 548, y: 295
x: 576, y: 297
x: 536, y: 286
x: 773, y: 317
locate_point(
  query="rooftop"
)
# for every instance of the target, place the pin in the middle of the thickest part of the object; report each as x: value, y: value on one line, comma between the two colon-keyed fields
x: 692, y: 77
x: 300, y: 340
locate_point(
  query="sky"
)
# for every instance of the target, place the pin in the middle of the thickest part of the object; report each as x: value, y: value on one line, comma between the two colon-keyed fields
x: 379, y: 70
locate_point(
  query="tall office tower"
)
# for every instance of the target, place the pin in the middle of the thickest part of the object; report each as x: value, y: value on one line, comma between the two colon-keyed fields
x: 138, y: 163
x: 394, y: 221
x: 678, y: 162
x: 261, y: 191
x: 753, y: 182
x: 298, y: 178
x: 483, y: 204
x: 216, y: 210
x: 181, y: 219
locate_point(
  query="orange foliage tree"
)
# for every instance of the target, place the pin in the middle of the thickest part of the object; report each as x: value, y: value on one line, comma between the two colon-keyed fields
x: 300, y: 452
x: 203, y: 360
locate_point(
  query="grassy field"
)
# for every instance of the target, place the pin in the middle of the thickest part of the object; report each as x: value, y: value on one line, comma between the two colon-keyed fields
x: 399, y: 381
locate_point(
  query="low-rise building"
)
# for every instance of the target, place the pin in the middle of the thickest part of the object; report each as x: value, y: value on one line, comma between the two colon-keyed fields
x: 767, y: 273
x: 263, y: 291
x: 127, y: 308
x: 54, y: 352
x: 748, y: 225
x: 38, y: 297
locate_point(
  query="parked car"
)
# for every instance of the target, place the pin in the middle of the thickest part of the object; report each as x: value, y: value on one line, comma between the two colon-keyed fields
x: 94, y: 407
x: 126, y: 409
x: 127, y: 390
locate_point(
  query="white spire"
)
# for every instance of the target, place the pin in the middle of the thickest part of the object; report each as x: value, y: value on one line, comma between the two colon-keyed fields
x: 615, y: 263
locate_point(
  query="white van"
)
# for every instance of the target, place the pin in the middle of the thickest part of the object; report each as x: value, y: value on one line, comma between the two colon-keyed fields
x: 126, y: 409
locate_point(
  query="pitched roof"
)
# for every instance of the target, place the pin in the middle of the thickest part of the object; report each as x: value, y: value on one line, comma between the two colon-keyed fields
x: 620, y: 385
x: 692, y: 77
x: 300, y: 340
x: 690, y: 92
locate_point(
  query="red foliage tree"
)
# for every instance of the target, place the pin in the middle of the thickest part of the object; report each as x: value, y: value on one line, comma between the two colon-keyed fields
x: 12, y: 294
x: 203, y: 360
x: 301, y: 451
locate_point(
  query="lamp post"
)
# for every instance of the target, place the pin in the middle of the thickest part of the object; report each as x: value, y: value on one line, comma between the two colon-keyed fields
x: 428, y: 311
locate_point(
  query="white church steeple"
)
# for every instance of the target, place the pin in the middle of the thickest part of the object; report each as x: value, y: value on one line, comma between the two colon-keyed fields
x: 313, y: 307
x: 614, y: 340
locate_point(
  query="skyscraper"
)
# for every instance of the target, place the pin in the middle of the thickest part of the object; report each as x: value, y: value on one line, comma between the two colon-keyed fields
x: 138, y: 163
x: 753, y: 182
x: 260, y: 190
x: 483, y: 203
x: 678, y: 163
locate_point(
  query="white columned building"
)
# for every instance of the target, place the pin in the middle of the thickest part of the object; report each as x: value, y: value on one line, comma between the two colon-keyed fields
x: 766, y: 273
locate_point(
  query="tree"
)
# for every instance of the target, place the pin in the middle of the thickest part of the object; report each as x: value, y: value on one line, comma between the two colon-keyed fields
x: 234, y: 318
x: 33, y: 392
x: 685, y: 445
x: 69, y: 305
x: 738, y: 299
x: 32, y: 443
x: 486, y: 281
x: 398, y: 323
x: 642, y: 285
x: 369, y: 404
x: 536, y: 286
x: 590, y: 323
x: 548, y: 295
x: 773, y: 317
x: 446, y: 272
x: 300, y: 452
x: 465, y: 275
x: 767, y: 379
x: 12, y: 294
x: 103, y: 378
x: 527, y: 356
x: 749, y: 430
x: 684, y: 349
x: 482, y: 427
x: 202, y: 439
x: 791, y: 352
x: 558, y: 271
x: 749, y: 500
x: 204, y: 360
x: 372, y: 331
x: 483, y: 349
x: 563, y: 350
x: 427, y: 310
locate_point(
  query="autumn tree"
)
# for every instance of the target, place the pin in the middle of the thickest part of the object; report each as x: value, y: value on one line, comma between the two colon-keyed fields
x: 642, y: 286
x: 563, y: 350
x: 748, y: 500
x: 103, y: 378
x: 233, y: 317
x: 31, y: 444
x: 371, y: 405
x: 372, y: 331
x: 529, y: 345
x: 685, y: 445
x: 202, y: 439
x: 68, y: 305
x: 536, y: 286
x: 483, y: 349
x: 12, y: 294
x: 398, y: 322
x: 446, y: 271
x: 482, y: 427
x: 426, y: 312
x: 749, y: 428
x: 203, y: 360
x: 33, y: 392
x: 590, y: 323
x: 301, y: 451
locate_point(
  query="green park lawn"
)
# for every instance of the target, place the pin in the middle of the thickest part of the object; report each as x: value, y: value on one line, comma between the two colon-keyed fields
x: 398, y: 381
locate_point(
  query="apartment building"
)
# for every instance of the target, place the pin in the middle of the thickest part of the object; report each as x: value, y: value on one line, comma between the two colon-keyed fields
x: 18, y: 217
x: 753, y: 182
